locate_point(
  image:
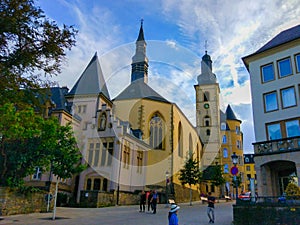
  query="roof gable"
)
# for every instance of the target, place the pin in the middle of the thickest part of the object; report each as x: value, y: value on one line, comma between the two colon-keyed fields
x: 140, y: 90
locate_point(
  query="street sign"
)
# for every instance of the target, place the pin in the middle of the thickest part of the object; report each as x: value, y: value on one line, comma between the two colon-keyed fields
x: 234, y: 170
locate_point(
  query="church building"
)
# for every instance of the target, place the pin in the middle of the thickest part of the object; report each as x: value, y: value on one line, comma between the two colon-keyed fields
x: 140, y: 140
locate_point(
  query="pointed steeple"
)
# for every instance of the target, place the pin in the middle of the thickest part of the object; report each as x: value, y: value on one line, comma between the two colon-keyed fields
x: 141, y: 33
x: 91, y: 80
x: 230, y: 114
x: 206, y: 76
x: 139, y: 65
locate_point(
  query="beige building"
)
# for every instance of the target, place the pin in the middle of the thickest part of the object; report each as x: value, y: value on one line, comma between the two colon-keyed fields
x: 275, y: 87
x: 139, y: 140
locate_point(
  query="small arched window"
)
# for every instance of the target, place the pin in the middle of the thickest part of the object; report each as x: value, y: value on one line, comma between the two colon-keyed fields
x: 208, y: 132
x: 226, y: 168
x: 88, y: 184
x: 225, y: 153
x: 207, y: 121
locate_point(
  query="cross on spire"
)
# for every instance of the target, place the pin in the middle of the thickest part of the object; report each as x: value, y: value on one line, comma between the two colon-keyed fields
x: 142, y: 21
x: 205, y: 46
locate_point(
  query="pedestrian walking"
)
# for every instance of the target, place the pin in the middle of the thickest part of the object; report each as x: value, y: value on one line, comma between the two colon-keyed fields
x: 142, y: 201
x: 149, y: 200
x: 211, y: 208
x: 154, y: 200
x: 172, y: 217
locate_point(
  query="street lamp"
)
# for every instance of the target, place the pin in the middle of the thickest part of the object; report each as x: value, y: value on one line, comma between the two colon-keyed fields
x: 167, y: 183
x: 234, y: 171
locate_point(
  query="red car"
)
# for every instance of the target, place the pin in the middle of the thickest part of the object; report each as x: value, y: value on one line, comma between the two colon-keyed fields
x: 246, y: 196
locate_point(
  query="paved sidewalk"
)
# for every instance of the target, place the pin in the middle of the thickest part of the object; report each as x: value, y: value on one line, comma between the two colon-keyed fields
x: 124, y: 215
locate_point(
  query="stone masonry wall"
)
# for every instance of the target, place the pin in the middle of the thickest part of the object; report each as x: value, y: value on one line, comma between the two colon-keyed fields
x: 12, y: 203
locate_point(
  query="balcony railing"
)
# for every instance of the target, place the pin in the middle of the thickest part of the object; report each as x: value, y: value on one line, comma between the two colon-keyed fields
x: 279, y: 145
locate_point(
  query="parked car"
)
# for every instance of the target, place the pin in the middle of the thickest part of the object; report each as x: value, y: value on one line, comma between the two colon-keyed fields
x: 246, y: 196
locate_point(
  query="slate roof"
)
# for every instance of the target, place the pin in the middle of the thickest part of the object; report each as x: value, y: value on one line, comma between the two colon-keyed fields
x: 91, y: 80
x: 140, y: 90
x: 230, y: 114
x: 283, y: 37
x: 58, y: 97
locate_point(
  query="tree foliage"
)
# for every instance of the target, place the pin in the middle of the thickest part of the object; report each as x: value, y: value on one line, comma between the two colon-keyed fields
x: 237, y: 181
x: 190, y: 173
x: 32, y: 48
x: 292, y: 190
x: 29, y: 141
x: 217, y: 178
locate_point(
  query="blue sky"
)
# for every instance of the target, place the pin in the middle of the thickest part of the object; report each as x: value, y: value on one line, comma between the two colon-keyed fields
x: 175, y: 32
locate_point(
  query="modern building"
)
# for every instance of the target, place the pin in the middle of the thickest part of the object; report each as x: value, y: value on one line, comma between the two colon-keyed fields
x: 275, y: 87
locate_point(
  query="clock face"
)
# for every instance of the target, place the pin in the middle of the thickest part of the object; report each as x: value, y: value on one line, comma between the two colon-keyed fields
x: 206, y: 105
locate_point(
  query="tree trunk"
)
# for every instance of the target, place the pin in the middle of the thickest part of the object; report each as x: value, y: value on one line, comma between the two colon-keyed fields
x: 191, y: 194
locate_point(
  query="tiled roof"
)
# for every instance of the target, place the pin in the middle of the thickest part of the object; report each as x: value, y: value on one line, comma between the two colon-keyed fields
x: 230, y: 114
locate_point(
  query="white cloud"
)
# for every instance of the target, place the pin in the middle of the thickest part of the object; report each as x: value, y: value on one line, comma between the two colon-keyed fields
x: 232, y: 28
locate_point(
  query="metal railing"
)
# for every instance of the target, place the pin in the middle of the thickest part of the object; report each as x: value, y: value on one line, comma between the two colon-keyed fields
x: 279, y: 145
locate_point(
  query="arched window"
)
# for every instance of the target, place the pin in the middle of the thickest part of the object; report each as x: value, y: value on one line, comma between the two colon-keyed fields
x: 225, y: 153
x: 206, y: 96
x: 180, y: 141
x: 97, y: 184
x: 207, y: 121
x: 208, y: 132
x: 104, y: 187
x: 157, y: 132
x: 88, y: 184
x: 224, y: 139
x: 226, y: 168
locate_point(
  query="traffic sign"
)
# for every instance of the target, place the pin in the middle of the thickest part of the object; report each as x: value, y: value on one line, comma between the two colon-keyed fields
x: 234, y: 170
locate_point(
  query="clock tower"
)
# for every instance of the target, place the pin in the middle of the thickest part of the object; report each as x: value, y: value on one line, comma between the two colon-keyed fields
x: 208, y: 111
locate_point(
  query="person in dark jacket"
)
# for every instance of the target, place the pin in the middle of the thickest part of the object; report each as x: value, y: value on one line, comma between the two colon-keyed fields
x: 211, y: 208
x: 154, y: 200
x: 142, y: 201
x: 149, y: 201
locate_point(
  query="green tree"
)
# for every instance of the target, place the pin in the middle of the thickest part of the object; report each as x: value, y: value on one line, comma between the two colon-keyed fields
x: 217, y: 178
x: 32, y: 49
x: 190, y: 174
x: 292, y: 190
x: 28, y: 141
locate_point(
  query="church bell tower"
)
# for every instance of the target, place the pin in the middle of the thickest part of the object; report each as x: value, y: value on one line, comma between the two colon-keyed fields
x: 208, y: 111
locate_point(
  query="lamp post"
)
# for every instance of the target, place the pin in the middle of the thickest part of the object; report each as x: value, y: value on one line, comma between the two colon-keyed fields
x: 167, y: 183
x: 234, y: 171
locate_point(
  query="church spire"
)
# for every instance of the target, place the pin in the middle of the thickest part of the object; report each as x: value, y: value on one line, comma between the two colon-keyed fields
x: 139, y: 65
x: 141, y: 33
